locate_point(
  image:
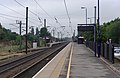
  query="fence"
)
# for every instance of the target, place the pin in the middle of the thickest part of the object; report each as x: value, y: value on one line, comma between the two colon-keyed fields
x: 116, y: 45
x: 107, y: 50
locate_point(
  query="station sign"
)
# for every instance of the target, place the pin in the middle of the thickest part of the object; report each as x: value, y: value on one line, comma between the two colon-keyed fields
x: 84, y: 27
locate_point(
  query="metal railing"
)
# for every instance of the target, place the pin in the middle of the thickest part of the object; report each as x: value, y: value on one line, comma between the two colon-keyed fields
x: 107, y: 50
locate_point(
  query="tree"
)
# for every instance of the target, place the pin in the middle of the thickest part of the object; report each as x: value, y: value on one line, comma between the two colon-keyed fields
x: 110, y: 30
x: 48, y: 34
x: 18, y: 39
x: 2, y: 34
x: 43, y: 32
x: 113, y: 32
x: 32, y: 31
x: 0, y: 26
x: 87, y: 35
x: 103, y: 36
x: 37, y: 31
x: 13, y: 35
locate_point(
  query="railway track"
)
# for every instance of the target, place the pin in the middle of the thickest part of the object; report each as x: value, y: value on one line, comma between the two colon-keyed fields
x: 20, y: 67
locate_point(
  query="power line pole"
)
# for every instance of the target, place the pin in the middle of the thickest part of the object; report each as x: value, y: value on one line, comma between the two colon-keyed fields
x: 46, y: 31
x: 20, y: 24
x: 61, y: 35
x: 86, y: 16
x: 45, y: 23
x: 58, y: 35
x: 20, y: 35
x: 26, y: 27
x: 53, y: 34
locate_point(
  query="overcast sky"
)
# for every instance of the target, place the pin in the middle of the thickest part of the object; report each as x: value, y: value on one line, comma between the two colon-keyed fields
x: 109, y: 10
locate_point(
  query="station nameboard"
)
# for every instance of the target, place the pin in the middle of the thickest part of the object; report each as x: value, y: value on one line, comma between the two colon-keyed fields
x: 85, y: 28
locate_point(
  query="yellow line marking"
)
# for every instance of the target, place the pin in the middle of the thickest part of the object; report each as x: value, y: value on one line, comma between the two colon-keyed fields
x: 61, y: 62
x: 69, y: 65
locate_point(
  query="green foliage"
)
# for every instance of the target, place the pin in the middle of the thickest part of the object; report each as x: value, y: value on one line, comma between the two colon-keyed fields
x: 6, y: 34
x: 18, y: 39
x: 48, y: 34
x: 111, y: 30
x: 14, y: 38
x: 37, y: 31
x: 103, y: 31
x: 43, y: 32
x: 13, y: 35
x: 2, y: 34
x: 30, y: 37
x: 87, y: 35
x: 32, y: 31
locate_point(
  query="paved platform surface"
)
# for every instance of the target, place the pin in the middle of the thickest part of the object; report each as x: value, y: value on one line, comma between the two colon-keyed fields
x: 85, y: 65
x: 53, y: 68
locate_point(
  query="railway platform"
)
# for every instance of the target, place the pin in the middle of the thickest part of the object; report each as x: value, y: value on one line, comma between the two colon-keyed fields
x: 76, y: 61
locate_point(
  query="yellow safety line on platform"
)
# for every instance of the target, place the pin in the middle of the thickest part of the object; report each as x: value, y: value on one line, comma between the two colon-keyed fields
x: 69, y: 65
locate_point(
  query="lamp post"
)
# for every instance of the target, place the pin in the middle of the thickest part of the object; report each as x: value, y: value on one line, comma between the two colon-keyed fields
x: 90, y: 20
x: 86, y: 13
x: 95, y: 30
x: 99, y: 45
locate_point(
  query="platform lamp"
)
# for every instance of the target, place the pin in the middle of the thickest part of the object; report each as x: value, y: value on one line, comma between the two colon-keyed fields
x: 86, y: 12
x: 99, y: 45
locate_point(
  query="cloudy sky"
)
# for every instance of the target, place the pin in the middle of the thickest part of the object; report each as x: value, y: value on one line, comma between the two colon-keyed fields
x: 10, y: 11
